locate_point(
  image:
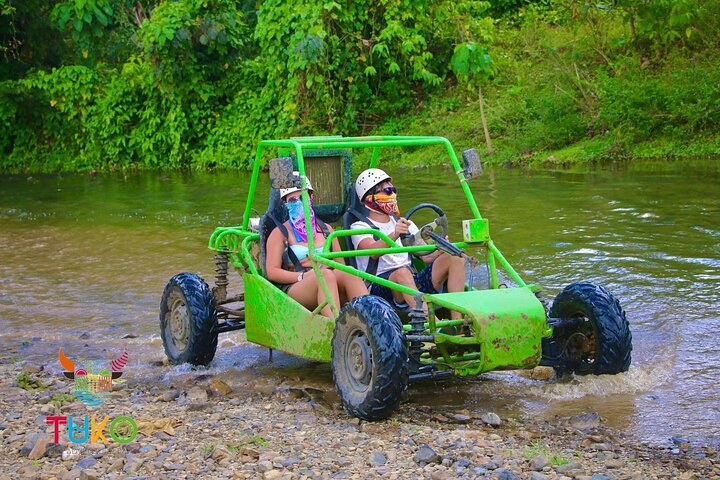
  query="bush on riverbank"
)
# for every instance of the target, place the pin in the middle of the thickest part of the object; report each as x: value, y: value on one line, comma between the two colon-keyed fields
x: 197, y: 83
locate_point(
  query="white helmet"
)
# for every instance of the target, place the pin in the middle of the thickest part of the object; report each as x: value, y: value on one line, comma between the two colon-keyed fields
x: 368, y: 179
x: 287, y: 191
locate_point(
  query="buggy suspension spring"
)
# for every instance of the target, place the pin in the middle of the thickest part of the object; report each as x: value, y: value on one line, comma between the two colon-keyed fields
x: 221, y: 278
x: 418, y: 318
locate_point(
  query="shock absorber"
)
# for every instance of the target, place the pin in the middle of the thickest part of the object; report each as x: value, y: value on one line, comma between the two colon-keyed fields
x: 221, y: 278
x: 415, y: 335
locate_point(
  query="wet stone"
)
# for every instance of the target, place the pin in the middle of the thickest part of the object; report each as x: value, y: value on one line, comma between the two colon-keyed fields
x: 86, y: 462
x: 219, y: 388
x: 377, y: 459
x: 585, y: 421
x: 89, y: 475
x: 460, y: 418
x: 568, y: 467
x: 491, y: 419
x: 538, y: 462
x: 505, y: 474
x: 425, y: 455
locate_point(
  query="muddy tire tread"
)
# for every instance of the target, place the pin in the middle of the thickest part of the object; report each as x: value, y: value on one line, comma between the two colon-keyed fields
x: 614, y: 339
x: 203, y: 340
x: 391, y: 370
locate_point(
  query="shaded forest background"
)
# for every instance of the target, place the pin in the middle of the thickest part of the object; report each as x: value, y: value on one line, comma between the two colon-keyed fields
x: 108, y: 84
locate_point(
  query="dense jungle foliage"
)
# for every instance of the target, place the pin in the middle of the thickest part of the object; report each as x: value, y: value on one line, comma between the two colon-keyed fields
x: 105, y: 84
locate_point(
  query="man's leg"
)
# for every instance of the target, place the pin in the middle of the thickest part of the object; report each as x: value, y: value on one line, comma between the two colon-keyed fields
x: 451, y: 270
x: 403, y: 276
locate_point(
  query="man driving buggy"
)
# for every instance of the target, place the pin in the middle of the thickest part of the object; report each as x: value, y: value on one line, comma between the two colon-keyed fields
x: 442, y: 273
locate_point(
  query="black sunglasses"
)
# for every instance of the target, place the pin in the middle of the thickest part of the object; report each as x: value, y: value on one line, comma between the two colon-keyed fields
x: 387, y: 190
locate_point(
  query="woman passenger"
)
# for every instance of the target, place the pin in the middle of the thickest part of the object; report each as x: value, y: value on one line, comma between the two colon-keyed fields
x: 303, y: 286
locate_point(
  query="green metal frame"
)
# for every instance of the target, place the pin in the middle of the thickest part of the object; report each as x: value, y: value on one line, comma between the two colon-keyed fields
x: 507, y: 324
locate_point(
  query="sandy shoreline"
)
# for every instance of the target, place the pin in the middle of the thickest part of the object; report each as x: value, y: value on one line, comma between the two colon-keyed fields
x: 203, y: 427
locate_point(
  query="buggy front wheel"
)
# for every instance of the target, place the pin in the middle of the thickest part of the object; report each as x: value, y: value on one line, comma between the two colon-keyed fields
x: 595, y: 336
x: 369, y: 358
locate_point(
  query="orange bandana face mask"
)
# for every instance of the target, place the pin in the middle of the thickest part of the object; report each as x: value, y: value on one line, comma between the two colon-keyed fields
x: 384, y: 203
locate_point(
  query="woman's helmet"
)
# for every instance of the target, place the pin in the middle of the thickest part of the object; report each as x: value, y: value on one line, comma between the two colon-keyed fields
x: 287, y: 191
x: 368, y: 179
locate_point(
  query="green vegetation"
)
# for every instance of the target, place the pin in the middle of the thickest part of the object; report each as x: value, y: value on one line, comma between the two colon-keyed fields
x: 553, y: 457
x: 95, y: 84
x: 28, y: 382
x: 63, y: 398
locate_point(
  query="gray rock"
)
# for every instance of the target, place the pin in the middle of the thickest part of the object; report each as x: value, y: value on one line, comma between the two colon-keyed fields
x: 538, y: 462
x: 462, y: 463
x: 441, y: 475
x: 480, y: 471
x: 87, y: 462
x: 174, y: 466
x: 264, y: 465
x: 505, y: 474
x: 169, y: 395
x: 599, y: 476
x: 425, y: 455
x: 568, y: 467
x: 30, y: 441
x: 491, y: 419
x: 197, y: 395
x: 585, y: 421
x: 377, y: 459
x: 89, y: 475
x: 537, y: 476
x: 73, y: 474
x: 54, y: 450
x: 460, y: 418
x: 146, y: 449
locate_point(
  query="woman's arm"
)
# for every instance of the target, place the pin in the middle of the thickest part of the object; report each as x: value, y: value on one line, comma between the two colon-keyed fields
x: 275, y: 249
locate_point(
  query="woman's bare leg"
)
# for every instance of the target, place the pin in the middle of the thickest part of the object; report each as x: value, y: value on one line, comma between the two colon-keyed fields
x: 309, y: 293
x: 350, y: 285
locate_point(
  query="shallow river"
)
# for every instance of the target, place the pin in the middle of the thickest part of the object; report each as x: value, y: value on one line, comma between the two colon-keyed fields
x: 83, y: 262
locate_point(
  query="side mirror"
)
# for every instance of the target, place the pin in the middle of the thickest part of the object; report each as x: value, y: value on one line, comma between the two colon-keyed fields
x: 281, y: 173
x: 472, y: 168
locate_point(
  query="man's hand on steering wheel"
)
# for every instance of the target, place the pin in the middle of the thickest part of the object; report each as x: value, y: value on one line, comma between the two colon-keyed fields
x: 435, y: 232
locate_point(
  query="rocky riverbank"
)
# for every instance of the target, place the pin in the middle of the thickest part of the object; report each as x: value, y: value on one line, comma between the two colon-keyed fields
x: 213, y: 427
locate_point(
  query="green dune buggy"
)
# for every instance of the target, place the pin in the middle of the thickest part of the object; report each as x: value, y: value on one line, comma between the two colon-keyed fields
x: 374, y: 351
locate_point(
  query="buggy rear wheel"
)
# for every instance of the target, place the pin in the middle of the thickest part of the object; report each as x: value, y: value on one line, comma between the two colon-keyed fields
x: 597, y: 337
x: 188, y: 320
x: 369, y: 358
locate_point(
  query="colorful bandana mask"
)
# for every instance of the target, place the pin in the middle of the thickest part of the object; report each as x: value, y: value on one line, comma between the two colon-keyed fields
x: 297, y: 219
x: 384, y: 203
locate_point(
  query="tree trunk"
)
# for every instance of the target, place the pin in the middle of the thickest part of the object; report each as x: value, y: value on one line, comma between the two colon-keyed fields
x: 484, y: 121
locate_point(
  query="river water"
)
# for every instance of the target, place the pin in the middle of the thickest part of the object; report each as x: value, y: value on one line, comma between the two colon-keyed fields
x: 84, y: 259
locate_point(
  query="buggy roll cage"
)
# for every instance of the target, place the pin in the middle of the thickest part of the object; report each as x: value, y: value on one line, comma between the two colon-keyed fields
x: 237, y: 241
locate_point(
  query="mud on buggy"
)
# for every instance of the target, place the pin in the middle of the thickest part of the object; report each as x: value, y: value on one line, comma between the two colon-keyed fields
x: 374, y: 353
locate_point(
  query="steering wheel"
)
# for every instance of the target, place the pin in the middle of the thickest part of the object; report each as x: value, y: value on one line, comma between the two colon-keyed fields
x: 432, y: 233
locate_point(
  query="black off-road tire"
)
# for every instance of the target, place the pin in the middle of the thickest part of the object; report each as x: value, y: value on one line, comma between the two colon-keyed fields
x: 188, y: 320
x: 369, y: 358
x: 601, y: 326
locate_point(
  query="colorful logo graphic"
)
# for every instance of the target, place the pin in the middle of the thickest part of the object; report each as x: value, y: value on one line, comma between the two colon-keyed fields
x: 93, y: 379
